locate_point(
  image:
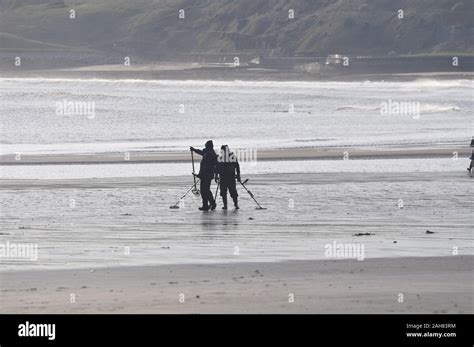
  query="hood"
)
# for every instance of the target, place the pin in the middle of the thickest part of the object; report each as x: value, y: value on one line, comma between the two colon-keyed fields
x: 225, y: 148
x: 209, y: 144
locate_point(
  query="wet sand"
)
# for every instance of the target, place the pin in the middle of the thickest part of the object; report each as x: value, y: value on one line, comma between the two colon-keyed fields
x: 264, y: 154
x: 91, y: 221
x: 403, y: 285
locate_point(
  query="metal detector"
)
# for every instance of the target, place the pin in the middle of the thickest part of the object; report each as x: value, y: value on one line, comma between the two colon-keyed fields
x: 251, y: 195
x: 176, y: 206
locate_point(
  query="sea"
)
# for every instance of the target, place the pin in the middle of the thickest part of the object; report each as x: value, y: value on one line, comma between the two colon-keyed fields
x: 46, y: 116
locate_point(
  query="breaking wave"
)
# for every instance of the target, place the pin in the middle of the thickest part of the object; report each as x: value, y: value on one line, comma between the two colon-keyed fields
x: 424, y: 108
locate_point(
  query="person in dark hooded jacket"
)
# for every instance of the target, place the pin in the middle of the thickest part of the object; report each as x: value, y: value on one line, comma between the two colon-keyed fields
x: 472, y: 160
x: 206, y: 173
x: 471, y: 157
x: 228, y: 169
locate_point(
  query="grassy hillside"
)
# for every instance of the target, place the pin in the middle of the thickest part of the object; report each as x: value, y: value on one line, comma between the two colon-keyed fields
x: 151, y: 28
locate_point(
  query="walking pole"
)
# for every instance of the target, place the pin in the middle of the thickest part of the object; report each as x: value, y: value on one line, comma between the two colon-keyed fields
x: 251, y: 195
x: 195, y: 190
x: 175, y: 206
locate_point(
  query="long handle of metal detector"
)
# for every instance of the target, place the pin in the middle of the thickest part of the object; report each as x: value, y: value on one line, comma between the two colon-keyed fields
x: 192, y: 160
x: 250, y: 193
x: 188, y: 191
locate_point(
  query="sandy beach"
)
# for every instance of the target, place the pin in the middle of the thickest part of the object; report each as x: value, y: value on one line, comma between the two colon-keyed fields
x: 428, y: 285
x: 223, y: 72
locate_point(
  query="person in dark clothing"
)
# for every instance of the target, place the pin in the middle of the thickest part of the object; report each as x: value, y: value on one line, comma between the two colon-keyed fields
x: 228, y: 169
x: 206, y: 173
x: 471, y: 157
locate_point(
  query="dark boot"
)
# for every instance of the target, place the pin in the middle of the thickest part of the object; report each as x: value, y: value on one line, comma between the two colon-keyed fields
x: 213, y: 203
x: 205, y: 206
x: 236, y: 203
x: 224, y: 202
